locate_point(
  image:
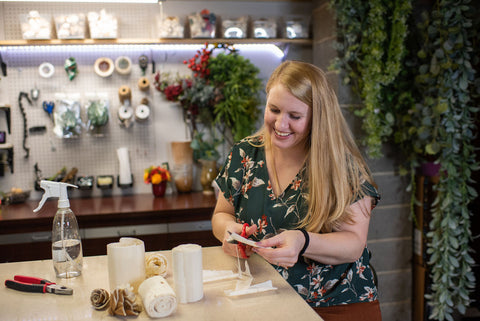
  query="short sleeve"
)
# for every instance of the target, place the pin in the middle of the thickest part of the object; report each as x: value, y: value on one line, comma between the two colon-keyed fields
x: 370, y: 190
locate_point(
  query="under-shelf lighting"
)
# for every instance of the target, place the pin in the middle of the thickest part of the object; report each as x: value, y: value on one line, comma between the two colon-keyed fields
x: 99, y: 1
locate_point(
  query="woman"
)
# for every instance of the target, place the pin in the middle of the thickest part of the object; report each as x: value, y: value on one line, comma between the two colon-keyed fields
x: 305, y: 192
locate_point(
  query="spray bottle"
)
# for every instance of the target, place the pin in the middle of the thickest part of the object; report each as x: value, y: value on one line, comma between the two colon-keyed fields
x: 66, y: 243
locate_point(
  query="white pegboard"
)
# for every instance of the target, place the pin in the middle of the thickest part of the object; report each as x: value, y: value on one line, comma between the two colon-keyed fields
x: 148, y: 143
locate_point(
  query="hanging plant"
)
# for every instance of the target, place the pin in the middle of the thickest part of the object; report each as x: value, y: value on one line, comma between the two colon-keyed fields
x: 441, y: 126
x: 371, y: 45
x: 433, y: 120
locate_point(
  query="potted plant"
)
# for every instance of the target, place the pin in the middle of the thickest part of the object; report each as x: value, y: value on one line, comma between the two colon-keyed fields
x: 219, y: 100
x: 158, y: 176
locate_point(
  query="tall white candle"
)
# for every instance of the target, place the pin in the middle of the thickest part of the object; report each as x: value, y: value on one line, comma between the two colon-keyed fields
x: 188, y: 272
x: 125, y: 173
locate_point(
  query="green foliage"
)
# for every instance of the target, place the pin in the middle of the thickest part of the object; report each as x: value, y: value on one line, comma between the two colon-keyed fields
x: 433, y: 119
x: 238, y: 110
x: 371, y: 47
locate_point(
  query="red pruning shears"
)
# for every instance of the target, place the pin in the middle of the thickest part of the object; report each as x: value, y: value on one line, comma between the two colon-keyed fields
x: 37, y: 285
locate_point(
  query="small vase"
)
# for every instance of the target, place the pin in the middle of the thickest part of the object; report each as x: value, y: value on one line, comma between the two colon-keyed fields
x: 209, y: 173
x: 158, y: 190
x: 183, y: 177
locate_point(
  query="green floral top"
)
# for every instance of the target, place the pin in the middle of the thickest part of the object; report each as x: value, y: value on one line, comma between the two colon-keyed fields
x: 245, y: 183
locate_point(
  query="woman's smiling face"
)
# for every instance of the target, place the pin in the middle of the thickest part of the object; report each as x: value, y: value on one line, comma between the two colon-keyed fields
x: 287, y: 119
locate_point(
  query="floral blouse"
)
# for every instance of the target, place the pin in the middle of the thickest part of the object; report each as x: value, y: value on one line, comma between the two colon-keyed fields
x: 245, y: 183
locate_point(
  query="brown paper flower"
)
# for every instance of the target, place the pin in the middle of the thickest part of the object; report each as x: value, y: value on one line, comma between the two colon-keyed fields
x: 100, y: 298
x: 122, y: 302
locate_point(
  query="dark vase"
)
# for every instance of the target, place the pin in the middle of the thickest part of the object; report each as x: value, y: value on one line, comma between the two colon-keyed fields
x: 158, y: 190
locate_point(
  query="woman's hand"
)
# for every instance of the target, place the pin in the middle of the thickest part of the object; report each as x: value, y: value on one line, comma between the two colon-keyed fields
x: 232, y: 249
x: 286, y: 247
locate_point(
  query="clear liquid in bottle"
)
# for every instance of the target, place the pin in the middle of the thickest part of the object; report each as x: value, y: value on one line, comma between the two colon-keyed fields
x: 67, y: 258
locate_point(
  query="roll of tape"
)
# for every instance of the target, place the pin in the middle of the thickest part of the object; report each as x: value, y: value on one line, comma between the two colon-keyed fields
x: 104, y: 67
x: 123, y: 65
x: 124, y: 93
x: 143, y: 84
x: 46, y: 70
x: 142, y: 112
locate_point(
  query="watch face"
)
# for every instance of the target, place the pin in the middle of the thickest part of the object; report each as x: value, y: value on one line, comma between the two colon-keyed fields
x: 3, y: 137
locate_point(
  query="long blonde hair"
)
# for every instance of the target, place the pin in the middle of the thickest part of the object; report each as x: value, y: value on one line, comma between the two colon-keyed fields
x: 335, y: 166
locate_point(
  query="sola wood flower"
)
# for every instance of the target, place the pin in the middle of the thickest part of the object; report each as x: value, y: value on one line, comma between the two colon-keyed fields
x: 122, y: 302
x: 100, y: 298
x: 156, y: 264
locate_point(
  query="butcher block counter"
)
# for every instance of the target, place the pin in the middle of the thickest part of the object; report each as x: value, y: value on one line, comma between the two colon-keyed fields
x: 280, y: 304
x: 161, y: 222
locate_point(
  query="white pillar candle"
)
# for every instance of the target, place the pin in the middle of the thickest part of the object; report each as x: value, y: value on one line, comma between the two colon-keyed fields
x: 125, y: 173
x: 126, y: 263
x: 188, y: 272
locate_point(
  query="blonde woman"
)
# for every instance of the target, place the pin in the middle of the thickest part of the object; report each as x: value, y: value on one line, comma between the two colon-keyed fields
x: 301, y: 187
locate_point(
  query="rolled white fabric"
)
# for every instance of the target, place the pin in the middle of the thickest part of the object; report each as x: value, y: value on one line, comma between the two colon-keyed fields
x: 158, y: 297
x: 188, y: 272
x: 125, y: 173
x: 126, y: 263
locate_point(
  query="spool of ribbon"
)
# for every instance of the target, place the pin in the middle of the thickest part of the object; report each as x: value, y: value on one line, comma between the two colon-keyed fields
x: 125, y: 115
x: 71, y: 68
x: 125, y: 94
x: 46, y: 70
x: 142, y: 112
x: 123, y: 65
x: 104, y: 67
x: 143, y: 84
x: 143, y: 63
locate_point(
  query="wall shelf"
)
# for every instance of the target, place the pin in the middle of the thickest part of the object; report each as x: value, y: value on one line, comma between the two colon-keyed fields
x: 137, y: 41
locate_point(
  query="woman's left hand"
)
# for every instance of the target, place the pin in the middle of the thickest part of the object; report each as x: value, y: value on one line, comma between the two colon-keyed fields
x: 282, y: 249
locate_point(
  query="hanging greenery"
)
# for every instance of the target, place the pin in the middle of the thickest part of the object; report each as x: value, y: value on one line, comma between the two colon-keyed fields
x: 433, y: 115
x: 441, y: 126
x: 372, y: 35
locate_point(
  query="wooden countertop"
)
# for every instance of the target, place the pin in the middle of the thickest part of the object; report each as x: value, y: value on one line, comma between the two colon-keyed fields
x: 109, y: 211
x: 281, y: 304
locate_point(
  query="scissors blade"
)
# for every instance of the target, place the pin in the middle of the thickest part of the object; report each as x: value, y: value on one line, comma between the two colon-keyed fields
x: 234, y: 237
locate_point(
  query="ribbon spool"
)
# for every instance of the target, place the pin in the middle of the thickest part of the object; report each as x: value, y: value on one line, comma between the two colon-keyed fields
x: 125, y: 115
x: 143, y: 63
x: 143, y: 84
x: 123, y: 65
x: 104, y: 67
x: 125, y: 94
x: 142, y: 112
x: 46, y: 70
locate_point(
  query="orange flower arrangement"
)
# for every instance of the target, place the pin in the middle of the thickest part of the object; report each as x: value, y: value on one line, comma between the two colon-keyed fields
x: 156, y: 175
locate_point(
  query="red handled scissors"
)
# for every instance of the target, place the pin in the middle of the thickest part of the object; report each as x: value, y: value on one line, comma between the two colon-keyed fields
x: 241, y: 246
x: 37, y: 285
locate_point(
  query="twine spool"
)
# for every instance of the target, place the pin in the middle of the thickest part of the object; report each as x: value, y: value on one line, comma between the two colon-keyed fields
x: 143, y: 84
x: 125, y: 94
